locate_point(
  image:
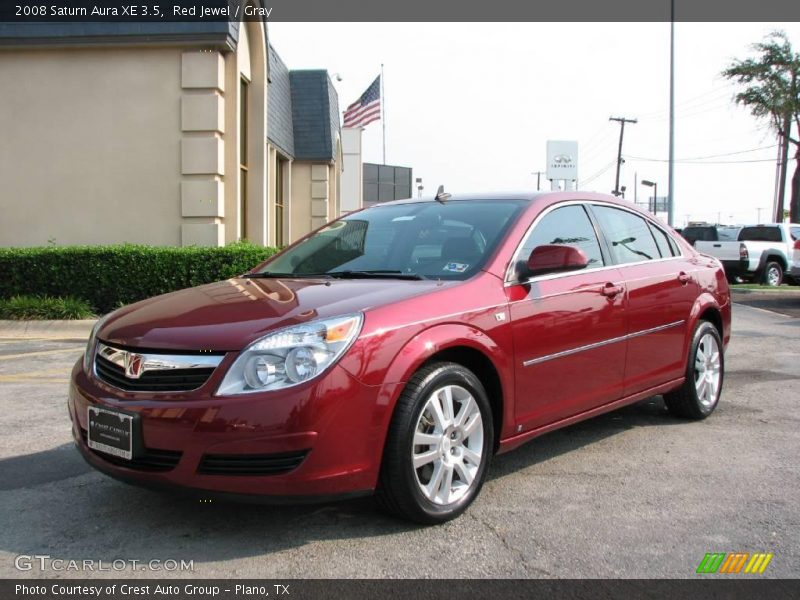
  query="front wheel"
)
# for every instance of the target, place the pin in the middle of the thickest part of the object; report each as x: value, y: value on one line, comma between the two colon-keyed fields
x: 698, y: 396
x: 439, y: 445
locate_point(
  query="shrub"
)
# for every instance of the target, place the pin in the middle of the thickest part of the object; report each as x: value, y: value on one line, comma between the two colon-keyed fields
x: 108, y: 276
x: 44, y: 307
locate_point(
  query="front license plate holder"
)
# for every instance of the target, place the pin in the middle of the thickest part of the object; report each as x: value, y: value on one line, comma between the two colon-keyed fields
x: 112, y: 431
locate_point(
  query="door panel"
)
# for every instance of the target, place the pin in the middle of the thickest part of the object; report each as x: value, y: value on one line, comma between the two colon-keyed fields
x: 659, y: 303
x: 661, y: 292
x: 566, y: 358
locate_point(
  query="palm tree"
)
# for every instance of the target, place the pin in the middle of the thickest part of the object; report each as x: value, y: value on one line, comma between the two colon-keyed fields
x: 770, y: 84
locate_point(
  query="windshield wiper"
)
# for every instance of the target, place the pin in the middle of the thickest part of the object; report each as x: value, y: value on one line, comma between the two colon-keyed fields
x: 375, y: 274
x: 272, y: 275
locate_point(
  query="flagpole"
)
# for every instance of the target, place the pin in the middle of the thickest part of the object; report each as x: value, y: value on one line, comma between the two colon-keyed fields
x: 383, y: 116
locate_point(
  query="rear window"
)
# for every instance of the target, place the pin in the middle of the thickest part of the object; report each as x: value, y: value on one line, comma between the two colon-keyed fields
x: 760, y: 234
x: 728, y: 234
x: 702, y: 234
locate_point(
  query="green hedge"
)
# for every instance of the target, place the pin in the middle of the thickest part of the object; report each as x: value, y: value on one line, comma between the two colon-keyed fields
x: 110, y: 276
x: 44, y: 307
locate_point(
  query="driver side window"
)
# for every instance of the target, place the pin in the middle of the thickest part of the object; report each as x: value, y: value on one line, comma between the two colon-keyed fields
x: 568, y: 225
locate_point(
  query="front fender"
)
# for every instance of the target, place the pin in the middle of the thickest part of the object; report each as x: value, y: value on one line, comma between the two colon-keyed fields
x: 426, y: 344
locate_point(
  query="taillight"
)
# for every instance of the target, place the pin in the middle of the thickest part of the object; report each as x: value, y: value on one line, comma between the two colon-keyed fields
x: 797, y: 245
x: 743, y: 253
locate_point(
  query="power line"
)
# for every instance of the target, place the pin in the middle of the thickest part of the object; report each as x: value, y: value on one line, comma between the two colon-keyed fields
x: 709, y: 155
x: 598, y: 173
x: 702, y: 162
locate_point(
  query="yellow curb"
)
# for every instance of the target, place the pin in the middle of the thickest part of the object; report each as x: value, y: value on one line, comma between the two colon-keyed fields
x: 40, y: 353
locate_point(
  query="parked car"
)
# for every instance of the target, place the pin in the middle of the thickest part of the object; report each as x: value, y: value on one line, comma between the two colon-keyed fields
x: 398, y: 348
x: 709, y: 233
x: 764, y: 253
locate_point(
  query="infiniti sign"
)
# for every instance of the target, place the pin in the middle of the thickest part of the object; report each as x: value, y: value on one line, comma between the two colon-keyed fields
x: 562, y: 160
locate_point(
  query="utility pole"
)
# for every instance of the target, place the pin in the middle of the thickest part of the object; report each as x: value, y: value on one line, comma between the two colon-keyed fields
x: 783, y: 163
x: 538, y: 179
x: 621, y: 121
x: 671, y: 175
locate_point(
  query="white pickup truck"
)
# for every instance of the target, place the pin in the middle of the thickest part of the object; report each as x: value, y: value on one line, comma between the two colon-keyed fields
x: 764, y: 253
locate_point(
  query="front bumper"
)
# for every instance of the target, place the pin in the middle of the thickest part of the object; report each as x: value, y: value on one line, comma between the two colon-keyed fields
x: 324, y: 436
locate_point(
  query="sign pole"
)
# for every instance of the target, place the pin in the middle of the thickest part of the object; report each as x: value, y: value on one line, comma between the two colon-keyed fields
x: 383, y: 115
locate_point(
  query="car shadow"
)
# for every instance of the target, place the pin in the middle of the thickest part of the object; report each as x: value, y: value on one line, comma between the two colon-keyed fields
x: 72, y: 512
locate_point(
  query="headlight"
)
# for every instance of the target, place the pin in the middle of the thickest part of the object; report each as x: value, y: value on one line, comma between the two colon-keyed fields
x: 290, y: 356
x: 88, y: 355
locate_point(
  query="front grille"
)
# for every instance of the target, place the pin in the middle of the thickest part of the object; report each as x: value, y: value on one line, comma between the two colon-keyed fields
x: 251, y: 464
x: 172, y: 380
x: 151, y: 459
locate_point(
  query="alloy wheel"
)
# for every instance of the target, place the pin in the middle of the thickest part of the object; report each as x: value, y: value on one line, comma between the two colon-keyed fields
x: 707, y: 370
x: 448, y: 445
x: 773, y: 276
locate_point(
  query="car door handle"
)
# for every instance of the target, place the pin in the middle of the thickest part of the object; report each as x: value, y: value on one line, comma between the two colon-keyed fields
x: 610, y: 290
x: 683, y: 278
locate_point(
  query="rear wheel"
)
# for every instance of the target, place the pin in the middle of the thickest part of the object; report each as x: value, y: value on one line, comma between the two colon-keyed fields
x: 439, y: 445
x: 698, y: 396
x: 773, y: 274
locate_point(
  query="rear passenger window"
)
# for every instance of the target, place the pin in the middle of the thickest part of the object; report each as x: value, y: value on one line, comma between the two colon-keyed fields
x: 569, y: 225
x: 628, y: 234
x: 662, y: 241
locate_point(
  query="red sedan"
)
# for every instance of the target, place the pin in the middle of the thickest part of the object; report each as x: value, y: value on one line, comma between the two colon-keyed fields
x: 398, y: 348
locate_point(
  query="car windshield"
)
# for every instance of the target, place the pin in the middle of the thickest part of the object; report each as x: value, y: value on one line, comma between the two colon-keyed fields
x: 431, y: 240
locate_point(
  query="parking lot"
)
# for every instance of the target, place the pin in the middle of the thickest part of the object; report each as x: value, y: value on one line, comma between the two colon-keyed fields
x: 634, y: 493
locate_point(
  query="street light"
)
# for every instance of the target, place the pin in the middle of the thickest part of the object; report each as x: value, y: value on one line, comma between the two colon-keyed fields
x: 653, y: 185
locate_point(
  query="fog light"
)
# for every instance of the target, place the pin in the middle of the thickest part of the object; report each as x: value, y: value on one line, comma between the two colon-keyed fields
x: 301, y: 364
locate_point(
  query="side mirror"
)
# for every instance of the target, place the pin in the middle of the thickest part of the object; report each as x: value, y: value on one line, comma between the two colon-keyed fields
x: 555, y: 258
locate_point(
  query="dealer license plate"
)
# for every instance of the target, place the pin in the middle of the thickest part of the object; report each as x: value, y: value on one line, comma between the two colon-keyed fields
x: 111, y: 432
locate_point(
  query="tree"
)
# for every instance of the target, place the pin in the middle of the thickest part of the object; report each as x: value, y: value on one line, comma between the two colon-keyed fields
x: 770, y: 84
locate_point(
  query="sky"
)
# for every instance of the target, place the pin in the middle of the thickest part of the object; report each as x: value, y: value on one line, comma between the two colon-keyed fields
x: 471, y: 105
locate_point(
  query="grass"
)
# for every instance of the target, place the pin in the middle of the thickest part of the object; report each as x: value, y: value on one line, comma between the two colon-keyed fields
x: 44, y: 307
x: 765, y: 288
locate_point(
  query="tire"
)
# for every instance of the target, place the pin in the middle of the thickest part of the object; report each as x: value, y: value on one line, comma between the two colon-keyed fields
x: 452, y: 449
x: 773, y: 274
x: 692, y: 400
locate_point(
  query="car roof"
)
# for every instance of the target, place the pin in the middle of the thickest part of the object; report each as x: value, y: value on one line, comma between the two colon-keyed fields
x: 456, y: 197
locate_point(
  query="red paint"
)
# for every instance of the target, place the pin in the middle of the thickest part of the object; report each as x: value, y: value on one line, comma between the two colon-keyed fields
x: 342, y: 417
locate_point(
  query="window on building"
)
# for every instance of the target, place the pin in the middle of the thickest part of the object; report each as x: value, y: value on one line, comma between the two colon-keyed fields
x: 243, y: 122
x: 628, y: 234
x: 280, y: 203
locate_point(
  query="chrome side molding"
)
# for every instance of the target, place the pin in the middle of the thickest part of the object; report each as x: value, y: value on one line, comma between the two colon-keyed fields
x: 622, y: 338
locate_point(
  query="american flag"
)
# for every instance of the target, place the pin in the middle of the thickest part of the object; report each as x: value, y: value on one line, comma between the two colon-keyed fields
x: 367, y: 108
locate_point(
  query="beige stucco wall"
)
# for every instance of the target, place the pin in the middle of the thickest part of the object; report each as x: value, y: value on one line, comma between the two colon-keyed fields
x: 300, y: 213
x: 91, y: 149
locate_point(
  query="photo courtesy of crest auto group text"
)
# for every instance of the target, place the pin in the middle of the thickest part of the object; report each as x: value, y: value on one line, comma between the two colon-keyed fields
x: 335, y: 300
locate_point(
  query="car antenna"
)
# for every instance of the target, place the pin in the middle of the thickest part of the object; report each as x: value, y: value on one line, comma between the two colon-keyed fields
x: 441, y: 195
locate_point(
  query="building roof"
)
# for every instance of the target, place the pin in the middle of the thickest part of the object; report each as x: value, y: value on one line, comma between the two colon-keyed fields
x: 224, y: 34
x: 315, y: 115
x: 280, y: 130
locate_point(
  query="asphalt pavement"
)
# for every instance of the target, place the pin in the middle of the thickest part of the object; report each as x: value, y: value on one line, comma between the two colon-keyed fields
x: 634, y: 493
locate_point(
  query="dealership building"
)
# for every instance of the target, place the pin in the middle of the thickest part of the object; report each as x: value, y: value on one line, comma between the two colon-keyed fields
x: 191, y: 133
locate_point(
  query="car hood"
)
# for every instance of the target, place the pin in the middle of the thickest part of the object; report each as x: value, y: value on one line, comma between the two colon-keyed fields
x: 229, y: 315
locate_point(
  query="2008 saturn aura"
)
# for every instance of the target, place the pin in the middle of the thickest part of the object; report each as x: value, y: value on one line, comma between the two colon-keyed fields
x: 397, y: 349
